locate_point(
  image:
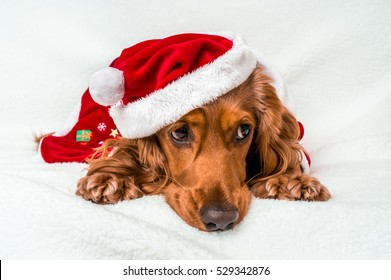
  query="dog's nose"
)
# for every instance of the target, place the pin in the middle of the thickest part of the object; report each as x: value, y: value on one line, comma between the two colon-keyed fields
x: 218, y: 217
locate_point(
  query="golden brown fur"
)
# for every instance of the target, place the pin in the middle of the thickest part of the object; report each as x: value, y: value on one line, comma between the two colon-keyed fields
x: 213, y: 171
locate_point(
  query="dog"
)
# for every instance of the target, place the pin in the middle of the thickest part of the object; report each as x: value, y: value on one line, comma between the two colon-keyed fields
x: 198, y: 118
x: 211, y: 162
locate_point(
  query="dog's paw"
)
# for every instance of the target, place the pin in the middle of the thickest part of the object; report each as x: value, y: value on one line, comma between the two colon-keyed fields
x: 106, y: 188
x: 292, y: 187
x: 305, y: 187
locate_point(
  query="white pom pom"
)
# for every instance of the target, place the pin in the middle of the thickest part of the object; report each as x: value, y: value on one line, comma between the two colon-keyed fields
x: 107, y: 86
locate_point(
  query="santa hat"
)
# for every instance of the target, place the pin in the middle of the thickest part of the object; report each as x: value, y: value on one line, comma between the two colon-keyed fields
x: 156, y: 82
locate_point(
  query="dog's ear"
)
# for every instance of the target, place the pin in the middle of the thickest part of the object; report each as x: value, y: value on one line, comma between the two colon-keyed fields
x: 275, y: 148
x: 124, y: 169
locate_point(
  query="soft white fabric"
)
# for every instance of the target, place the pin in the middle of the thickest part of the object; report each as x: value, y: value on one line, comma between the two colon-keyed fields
x: 335, y: 59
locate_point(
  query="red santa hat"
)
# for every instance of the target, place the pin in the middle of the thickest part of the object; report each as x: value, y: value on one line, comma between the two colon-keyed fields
x: 153, y: 84
x: 156, y: 82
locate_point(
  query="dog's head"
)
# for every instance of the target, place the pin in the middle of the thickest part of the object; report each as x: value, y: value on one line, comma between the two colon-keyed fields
x: 212, y: 155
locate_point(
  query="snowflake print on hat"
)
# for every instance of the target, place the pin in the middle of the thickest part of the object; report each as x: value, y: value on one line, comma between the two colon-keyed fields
x: 101, y: 126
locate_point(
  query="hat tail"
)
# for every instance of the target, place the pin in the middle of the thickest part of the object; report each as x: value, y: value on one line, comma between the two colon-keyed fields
x: 88, y: 126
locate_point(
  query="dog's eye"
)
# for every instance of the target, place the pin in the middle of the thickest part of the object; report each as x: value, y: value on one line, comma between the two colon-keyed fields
x: 242, y: 132
x: 180, y: 135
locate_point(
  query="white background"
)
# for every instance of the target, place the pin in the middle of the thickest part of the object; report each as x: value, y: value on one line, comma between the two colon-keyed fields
x: 335, y: 59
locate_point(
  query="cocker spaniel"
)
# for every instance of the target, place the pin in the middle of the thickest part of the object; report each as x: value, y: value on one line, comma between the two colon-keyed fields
x: 202, y: 123
x: 210, y: 162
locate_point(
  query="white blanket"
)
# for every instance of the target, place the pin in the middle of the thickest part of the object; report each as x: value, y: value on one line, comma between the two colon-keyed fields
x: 335, y: 57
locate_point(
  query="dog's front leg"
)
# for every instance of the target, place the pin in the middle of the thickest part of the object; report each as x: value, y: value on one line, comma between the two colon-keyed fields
x: 107, y: 188
x: 290, y: 186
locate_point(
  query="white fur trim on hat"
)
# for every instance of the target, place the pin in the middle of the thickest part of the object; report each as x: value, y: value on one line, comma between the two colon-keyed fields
x: 148, y: 115
x: 107, y: 86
